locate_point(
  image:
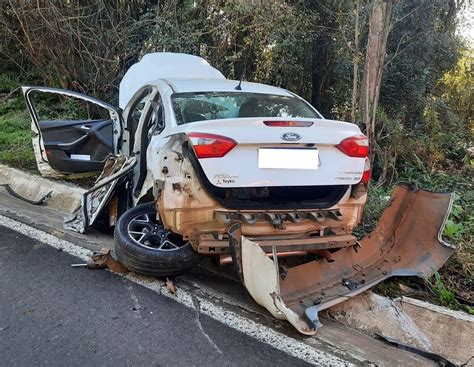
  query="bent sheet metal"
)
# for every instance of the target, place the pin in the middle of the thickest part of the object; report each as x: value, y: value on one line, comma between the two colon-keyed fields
x: 406, y: 242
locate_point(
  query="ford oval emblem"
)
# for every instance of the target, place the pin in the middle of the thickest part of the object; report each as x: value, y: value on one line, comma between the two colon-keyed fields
x: 291, y: 136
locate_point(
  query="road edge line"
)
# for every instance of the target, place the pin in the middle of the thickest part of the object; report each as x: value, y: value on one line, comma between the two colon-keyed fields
x: 251, y: 328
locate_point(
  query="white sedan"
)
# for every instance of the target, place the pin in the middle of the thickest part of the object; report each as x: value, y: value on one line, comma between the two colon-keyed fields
x: 194, y: 164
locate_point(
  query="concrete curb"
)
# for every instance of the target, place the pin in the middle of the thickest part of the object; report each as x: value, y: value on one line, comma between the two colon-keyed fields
x: 65, y: 197
x: 421, y: 324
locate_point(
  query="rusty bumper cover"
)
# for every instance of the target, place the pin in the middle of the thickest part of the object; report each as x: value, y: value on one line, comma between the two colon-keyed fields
x: 406, y: 242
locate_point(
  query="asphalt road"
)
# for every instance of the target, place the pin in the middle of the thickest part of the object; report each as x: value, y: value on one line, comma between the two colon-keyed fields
x: 55, y: 315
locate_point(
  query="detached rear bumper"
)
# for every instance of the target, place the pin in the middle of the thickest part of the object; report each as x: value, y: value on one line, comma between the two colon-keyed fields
x: 406, y: 242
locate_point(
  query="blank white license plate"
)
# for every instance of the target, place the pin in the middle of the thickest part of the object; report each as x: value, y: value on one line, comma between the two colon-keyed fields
x: 288, y: 158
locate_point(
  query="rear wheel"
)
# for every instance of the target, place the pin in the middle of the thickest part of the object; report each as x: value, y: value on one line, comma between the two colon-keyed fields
x: 144, y: 246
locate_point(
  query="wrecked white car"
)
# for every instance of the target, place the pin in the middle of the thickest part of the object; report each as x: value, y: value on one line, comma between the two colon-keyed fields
x: 195, y: 164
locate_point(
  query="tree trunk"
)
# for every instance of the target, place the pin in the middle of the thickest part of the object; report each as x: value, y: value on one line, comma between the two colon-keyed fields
x: 379, y: 27
x: 355, y: 72
x: 320, y: 74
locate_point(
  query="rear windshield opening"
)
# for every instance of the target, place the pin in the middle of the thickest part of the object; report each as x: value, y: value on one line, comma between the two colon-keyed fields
x: 200, y: 106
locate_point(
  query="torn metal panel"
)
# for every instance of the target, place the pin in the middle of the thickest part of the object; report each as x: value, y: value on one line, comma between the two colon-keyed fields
x: 95, y: 199
x: 406, y: 242
x: 261, y: 278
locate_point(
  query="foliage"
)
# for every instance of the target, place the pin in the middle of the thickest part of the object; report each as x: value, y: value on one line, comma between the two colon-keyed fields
x: 446, y: 297
x: 89, y: 45
x: 8, y: 83
x: 422, y: 47
x: 77, y: 45
x: 15, y: 135
x: 453, y: 229
x: 377, y: 200
x: 265, y: 41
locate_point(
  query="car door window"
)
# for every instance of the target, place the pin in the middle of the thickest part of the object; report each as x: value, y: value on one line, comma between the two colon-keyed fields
x: 157, y: 120
x: 56, y: 107
x: 133, y: 113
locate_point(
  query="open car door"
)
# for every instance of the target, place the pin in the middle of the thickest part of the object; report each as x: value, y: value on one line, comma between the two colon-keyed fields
x: 73, y: 134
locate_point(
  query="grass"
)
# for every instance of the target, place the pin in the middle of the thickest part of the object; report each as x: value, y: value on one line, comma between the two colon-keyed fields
x: 15, y: 135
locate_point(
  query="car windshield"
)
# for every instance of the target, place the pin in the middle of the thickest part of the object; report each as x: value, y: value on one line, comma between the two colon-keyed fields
x: 190, y: 107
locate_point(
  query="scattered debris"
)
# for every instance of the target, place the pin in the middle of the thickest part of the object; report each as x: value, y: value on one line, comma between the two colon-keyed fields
x: 103, y: 259
x: 432, y: 356
x: 13, y: 193
x: 171, y: 286
x: 136, y: 305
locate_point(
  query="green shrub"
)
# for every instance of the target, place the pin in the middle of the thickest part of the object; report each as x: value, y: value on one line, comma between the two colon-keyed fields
x: 15, y: 140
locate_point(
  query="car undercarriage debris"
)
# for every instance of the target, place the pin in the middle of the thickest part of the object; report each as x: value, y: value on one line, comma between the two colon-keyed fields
x: 103, y: 259
x: 442, y: 361
x: 95, y: 199
x: 41, y: 201
x: 406, y: 242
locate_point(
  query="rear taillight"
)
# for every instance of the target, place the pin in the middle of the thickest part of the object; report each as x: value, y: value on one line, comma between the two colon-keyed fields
x: 355, y: 146
x: 211, y: 145
x: 367, y: 175
x: 288, y: 123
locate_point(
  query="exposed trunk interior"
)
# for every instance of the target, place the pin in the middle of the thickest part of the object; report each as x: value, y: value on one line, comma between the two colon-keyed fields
x: 278, y: 197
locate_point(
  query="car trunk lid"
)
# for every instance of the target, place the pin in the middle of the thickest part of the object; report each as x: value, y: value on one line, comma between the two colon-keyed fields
x: 250, y: 152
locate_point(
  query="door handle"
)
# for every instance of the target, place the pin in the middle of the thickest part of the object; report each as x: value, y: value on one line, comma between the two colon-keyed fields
x: 75, y: 143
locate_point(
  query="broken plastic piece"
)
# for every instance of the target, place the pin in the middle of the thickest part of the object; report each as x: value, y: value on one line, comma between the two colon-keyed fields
x: 171, y: 286
x: 406, y: 242
x: 101, y: 260
x: 104, y: 259
x: 41, y: 201
x: 432, y: 356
